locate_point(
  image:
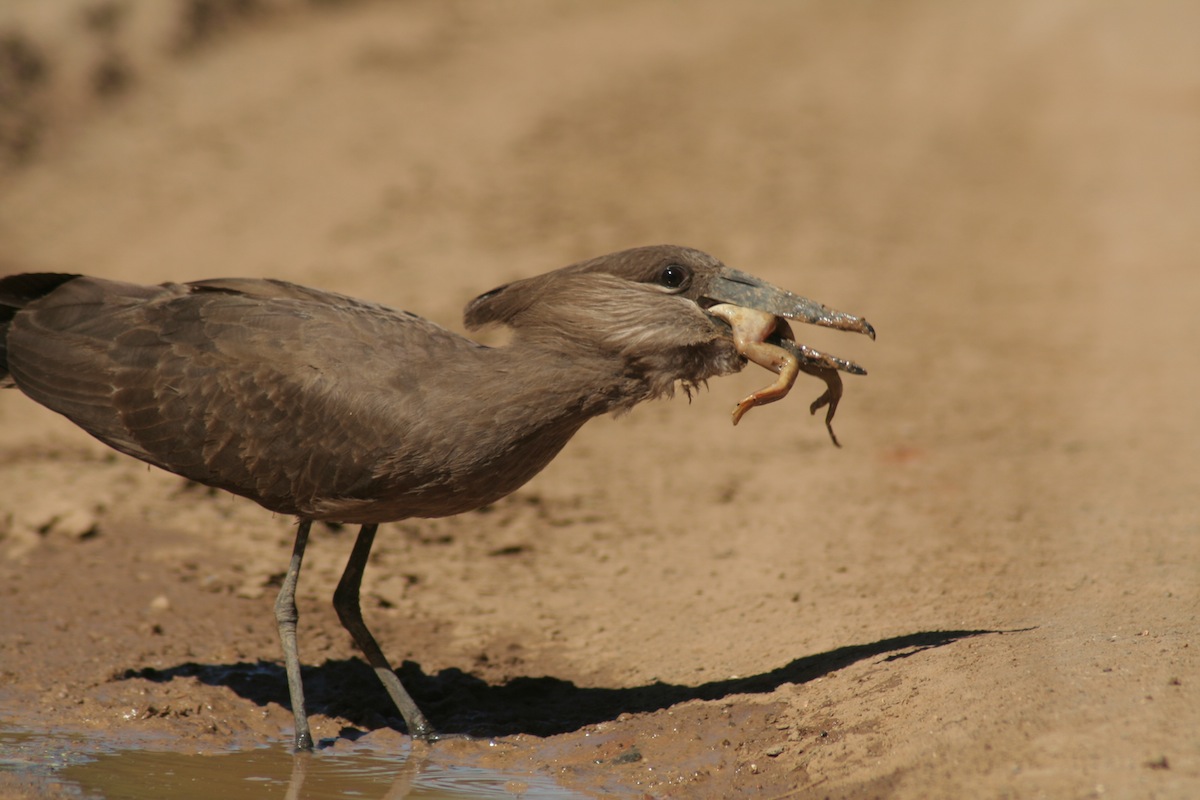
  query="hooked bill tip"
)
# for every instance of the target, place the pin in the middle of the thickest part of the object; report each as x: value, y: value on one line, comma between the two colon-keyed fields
x: 847, y: 322
x: 814, y: 313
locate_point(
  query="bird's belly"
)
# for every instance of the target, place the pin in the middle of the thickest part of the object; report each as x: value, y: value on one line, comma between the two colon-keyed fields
x: 428, y: 501
x: 451, y: 488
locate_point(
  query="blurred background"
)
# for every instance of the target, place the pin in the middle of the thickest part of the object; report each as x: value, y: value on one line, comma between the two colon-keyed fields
x: 1010, y: 192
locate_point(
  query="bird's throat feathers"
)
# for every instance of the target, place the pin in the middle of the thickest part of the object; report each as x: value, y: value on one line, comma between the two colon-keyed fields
x: 645, y: 340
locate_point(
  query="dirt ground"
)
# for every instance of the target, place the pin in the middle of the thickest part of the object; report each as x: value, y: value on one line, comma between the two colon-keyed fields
x: 992, y: 590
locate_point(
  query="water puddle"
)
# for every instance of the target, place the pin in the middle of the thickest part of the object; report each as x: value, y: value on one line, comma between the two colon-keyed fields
x: 87, y: 769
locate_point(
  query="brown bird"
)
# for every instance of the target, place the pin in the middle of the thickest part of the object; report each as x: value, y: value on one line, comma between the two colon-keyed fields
x: 325, y: 407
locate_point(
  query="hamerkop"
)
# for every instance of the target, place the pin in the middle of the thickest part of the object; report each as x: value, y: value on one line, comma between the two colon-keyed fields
x: 325, y: 407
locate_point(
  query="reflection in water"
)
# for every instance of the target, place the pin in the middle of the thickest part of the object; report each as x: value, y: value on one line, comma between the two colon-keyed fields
x: 140, y: 774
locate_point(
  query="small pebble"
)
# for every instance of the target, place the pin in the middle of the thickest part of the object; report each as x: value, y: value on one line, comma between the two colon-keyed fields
x: 77, y: 524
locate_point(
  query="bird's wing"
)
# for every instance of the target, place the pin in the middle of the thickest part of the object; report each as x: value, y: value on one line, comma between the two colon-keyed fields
x: 267, y: 389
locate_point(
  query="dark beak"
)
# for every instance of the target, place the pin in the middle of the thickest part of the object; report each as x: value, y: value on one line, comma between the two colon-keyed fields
x: 741, y: 289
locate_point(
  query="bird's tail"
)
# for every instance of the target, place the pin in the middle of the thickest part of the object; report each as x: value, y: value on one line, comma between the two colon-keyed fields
x: 16, y: 292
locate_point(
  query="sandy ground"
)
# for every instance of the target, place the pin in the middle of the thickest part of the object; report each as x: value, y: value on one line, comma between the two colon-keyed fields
x: 990, y: 591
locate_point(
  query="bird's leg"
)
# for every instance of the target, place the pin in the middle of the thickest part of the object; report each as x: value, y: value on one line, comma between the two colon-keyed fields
x: 750, y: 327
x: 346, y: 603
x: 286, y: 617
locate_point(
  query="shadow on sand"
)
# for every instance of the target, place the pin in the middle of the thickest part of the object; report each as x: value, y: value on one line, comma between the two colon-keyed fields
x: 460, y: 703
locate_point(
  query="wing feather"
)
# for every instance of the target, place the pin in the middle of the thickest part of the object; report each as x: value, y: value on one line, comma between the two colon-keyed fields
x: 281, y: 393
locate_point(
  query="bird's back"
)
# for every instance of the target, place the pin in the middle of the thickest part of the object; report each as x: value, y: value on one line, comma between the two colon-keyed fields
x: 284, y: 394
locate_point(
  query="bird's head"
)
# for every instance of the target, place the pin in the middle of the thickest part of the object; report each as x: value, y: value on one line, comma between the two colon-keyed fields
x: 645, y: 310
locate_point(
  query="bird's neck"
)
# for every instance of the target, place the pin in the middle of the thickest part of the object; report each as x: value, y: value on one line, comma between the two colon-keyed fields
x: 503, y: 413
x: 560, y: 386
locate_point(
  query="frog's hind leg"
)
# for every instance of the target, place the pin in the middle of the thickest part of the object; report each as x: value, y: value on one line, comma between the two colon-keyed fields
x: 776, y: 359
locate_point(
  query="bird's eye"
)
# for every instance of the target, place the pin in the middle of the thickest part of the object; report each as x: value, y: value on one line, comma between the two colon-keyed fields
x: 673, y: 276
